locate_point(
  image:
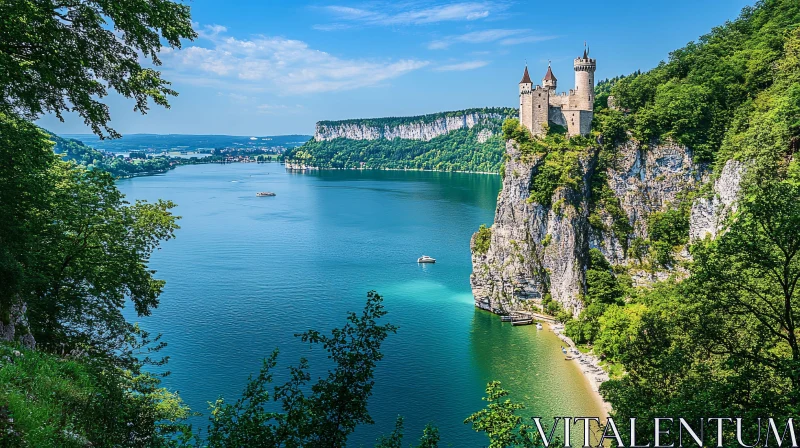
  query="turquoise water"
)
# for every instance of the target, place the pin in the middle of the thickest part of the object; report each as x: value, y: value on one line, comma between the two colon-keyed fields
x: 246, y: 273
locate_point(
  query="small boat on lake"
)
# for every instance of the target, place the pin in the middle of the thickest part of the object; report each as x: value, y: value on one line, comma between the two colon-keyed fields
x: 265, y: 193
x: 539, y: 325
x: 426, y: 259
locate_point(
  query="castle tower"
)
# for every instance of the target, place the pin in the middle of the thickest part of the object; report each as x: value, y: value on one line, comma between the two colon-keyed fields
x: 584, y: 81
x: 526, y: 100
x: 549, y: 81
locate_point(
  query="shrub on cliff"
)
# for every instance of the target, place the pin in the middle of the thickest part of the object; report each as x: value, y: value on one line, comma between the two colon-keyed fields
x: 483, y: 238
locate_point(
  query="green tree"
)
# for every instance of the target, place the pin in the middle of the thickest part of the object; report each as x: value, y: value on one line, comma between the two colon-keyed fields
x: 500, y: 421
x: 751, y: 273
x: 335, y: 405
x: 75, y: 300
x: 58, y: 55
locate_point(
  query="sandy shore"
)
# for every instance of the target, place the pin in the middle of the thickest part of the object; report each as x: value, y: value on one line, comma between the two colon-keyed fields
x: 587, y: 363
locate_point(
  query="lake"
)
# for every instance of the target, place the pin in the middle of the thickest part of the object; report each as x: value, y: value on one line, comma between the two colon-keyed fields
x: 246, y: 273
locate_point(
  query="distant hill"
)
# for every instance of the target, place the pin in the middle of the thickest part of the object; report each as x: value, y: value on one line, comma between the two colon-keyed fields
x: 465, y: 140
x: 75, y: 150
x: 185, y: 142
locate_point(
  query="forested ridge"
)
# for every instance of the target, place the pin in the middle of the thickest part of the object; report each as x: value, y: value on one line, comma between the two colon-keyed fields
x: 458, y: 150
x: 78, y: 152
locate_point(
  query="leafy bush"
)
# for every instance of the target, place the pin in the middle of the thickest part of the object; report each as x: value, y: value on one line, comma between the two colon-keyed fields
x: 50, y: 401
x: 667, y: 230
x: 483, y: 238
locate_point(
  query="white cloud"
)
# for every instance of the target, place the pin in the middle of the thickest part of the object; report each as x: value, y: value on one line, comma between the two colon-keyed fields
x: 462, y: 66
x: 278, y: 65
x: 209, y: 31
x: 392, y: 13
x: 503, y: 36
x: 236, y: 98
x: 274, y: 109
x: 525, y: 40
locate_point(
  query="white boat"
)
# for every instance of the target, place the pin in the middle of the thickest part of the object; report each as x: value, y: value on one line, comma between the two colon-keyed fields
x: 538, y: 326
x: 426, y: 259
x: 265, y: 193
x: 563, y: 350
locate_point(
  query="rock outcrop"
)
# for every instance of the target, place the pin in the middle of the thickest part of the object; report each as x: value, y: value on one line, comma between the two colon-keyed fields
x: 425, y: 127
x: 709, y: 213
x: 15, y: 327
x: 644, y: 181
x: 535, y: 250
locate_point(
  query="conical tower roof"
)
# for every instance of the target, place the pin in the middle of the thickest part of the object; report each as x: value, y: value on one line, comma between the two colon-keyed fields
x: 526, y: 78
x: 549, y: 76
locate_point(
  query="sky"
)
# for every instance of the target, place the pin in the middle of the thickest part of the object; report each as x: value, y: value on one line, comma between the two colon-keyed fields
x: 272, y: 67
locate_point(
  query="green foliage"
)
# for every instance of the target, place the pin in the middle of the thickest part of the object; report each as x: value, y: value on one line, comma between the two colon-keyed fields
x: 668, y: 229
x: 72, y: 251
x: 500, y: 422
x: 558, y: 157
x: 604, y: 287
x: 550, y: 306
x: 99, y: 46
x: 324, y: 413
x: 586, y: 327
x: 430, y: 437
x: 75, y: 150
x: 619, y: 326
x: 458, y: 150
x: 483, y: 238
x: 724, y: 340
x: 49, y: 401
x: 703, y: 96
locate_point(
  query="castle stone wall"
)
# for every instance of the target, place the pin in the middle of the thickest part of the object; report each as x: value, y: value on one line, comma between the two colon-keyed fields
x: 540, y: 107
x: 525, y: 106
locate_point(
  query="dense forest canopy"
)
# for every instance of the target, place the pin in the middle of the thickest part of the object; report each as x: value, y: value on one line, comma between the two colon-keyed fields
x: 455, y: 151
x: 709, y: 94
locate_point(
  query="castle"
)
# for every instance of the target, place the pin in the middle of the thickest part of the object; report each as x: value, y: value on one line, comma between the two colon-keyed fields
x: 541, y: 105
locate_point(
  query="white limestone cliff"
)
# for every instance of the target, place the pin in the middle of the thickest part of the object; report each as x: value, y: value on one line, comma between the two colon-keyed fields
x: 423, y: 129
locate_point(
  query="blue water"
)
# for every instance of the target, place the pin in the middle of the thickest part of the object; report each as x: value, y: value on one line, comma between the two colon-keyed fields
x: 246, y: 273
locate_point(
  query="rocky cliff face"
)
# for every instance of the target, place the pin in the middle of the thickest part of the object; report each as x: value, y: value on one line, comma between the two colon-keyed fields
x: 645, y: 181
x: 421, y: 128
x: 536, y: 250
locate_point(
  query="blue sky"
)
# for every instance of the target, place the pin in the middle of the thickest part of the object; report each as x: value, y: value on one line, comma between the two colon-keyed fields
x: 276, y: 67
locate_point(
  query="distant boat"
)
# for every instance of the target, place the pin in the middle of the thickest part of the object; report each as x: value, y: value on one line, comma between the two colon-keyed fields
x: 265, y: 193
x: 563, y: 350
x: 568, y: 358
x: 426, y: 259
x: 538, y: 326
